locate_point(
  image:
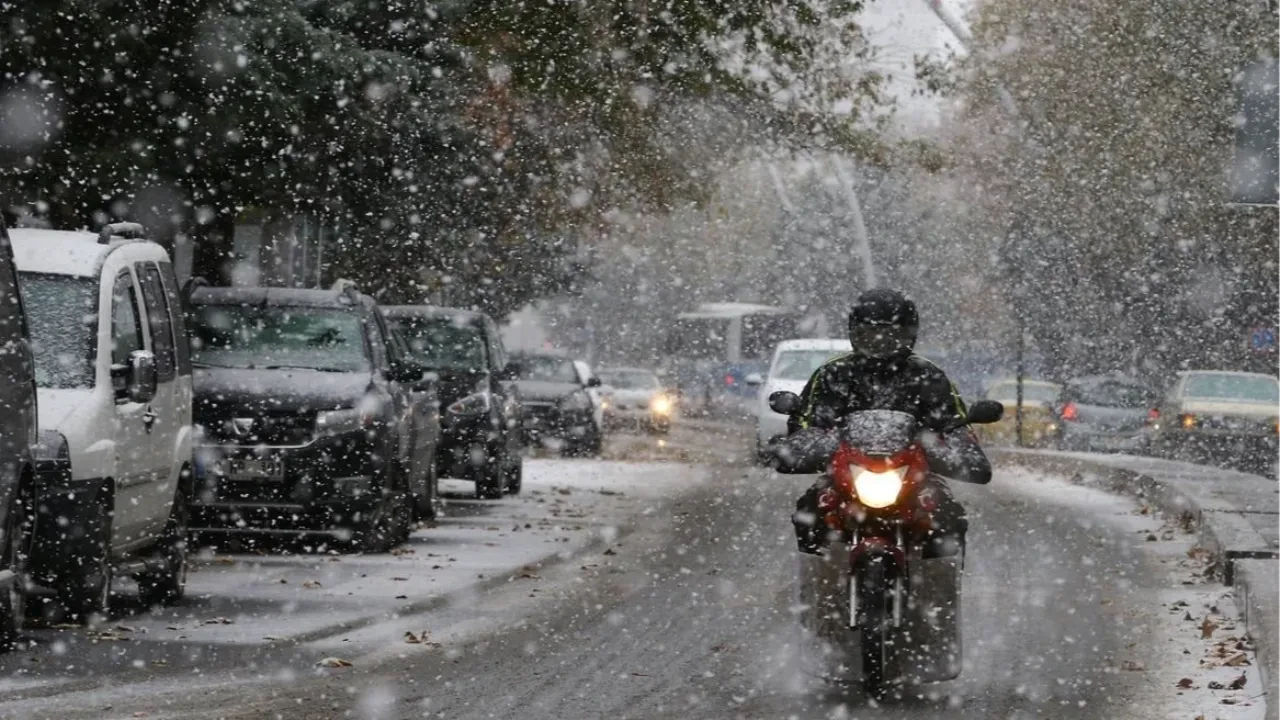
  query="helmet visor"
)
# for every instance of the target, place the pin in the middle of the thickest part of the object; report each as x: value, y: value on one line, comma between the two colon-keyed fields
x: 887, y: 340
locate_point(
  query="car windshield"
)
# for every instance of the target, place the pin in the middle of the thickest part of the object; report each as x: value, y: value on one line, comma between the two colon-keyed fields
x: 250, y: 336
x: 1112, y: 394
x: 1241, y: 388
x: 547, y: 369
x: 1031, y: 392
x: 801, y: 364
x: 444, y: 343
x: 629, y: 380
x: 62, y: 315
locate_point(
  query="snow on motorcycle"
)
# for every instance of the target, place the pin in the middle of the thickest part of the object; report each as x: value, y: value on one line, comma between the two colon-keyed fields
x: 884, y: 596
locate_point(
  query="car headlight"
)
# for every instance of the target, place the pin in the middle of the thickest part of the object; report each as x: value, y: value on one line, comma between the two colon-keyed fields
x: 51, y: 446
x: 878, y: 489
x: 334, y: 422
x: 660, y: 404
x: 471, y: 405
x: 576, y: 402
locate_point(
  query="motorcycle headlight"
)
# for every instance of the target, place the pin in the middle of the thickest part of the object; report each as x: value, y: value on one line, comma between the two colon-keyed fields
x: 576, y: 402
x: 661, y: 404
x: 878, y: 489
x: 471, y: 405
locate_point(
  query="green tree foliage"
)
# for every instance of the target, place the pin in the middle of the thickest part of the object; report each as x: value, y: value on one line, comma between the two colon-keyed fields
x: 472, y: 142
x: 1105, y: 197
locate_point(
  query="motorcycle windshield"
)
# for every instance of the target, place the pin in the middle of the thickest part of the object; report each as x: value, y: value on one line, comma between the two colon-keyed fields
x: 879, y: 432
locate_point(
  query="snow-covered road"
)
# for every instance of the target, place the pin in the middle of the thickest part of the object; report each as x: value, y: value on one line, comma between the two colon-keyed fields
x: 676, y: 601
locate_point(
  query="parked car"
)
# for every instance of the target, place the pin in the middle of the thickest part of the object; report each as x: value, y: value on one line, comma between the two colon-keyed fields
x: 561, y: 401
x: 481, y: 420
x: 311, y: 417
x: 18, y: 438
x: 1105, y: 413
x: 636, y: 397
x: 794, y: 361
x: 1039, y: 421
x: 114, y: 378
x: 1223, y: 417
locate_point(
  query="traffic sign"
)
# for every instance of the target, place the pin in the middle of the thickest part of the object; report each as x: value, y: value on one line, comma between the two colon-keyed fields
x: 1262, y: 339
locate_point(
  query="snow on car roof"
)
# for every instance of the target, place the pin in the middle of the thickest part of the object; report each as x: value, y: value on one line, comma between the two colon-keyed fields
x: 58, y: 252
x: 1225, y: 372
x: 815, y: 344
x: 432, y: 311
x: 730, y: 310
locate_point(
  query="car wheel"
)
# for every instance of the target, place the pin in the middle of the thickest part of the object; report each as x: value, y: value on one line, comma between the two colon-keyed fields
x: 424, y: 507
x: 515, y: 477
x: 84, y: 581
x: 19, y: 536
x: 167, y: 586
x: 490, y: 484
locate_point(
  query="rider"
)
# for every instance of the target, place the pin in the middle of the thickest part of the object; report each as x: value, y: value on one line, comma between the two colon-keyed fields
x: 883, y: 374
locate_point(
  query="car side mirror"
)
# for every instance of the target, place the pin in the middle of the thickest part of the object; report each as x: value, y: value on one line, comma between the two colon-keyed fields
x: 985, y: 412
x: 784, y: 402
x: 754, y: 379
x: 136, y: 380
x: 593, y: 382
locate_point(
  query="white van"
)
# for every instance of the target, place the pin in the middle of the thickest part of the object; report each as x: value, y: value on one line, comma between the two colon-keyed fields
x: 113, y: 378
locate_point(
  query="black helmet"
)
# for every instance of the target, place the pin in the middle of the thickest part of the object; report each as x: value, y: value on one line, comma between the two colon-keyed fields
x: 883, y: 323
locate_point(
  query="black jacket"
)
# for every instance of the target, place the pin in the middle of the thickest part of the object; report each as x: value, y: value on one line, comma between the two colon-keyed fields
x: 910, y: 384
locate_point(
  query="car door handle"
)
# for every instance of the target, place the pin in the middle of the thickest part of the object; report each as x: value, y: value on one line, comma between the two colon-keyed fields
x: 149, y: 418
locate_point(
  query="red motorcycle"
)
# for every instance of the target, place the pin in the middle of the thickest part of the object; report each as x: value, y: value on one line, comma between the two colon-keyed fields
x: 885, y: 585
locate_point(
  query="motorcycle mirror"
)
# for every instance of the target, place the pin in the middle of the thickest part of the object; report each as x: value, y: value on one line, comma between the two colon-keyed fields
x: 784, y: 402
x: 985, y: 412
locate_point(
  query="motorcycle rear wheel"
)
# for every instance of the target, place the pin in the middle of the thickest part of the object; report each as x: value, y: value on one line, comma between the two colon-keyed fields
x: 875, y: 622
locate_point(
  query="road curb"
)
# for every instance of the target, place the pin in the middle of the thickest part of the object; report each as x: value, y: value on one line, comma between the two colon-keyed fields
x: 437, y: 602
x: 1222, y: 528
x: 1248, y: 564
x: 1256, y: 598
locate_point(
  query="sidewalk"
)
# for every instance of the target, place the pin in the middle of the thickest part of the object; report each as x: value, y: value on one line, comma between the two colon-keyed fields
x: 1238, y: 516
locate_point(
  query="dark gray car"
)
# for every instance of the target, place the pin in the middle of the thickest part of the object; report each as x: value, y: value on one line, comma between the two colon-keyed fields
x: 1105, y: 413
x: 17, y: 431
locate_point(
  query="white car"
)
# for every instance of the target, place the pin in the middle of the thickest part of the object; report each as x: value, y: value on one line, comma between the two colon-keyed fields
x: 794, y: 361
x: 634, y: 396
x: 113, y: 378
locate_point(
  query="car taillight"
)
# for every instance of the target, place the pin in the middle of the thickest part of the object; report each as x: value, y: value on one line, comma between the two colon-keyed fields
x: 728, y: 379
x: 1153, y: 416
x: 1070, y: 412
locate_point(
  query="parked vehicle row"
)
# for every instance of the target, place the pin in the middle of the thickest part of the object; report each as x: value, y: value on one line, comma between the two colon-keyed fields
x: 141, y: 415
x: 1208, y: 416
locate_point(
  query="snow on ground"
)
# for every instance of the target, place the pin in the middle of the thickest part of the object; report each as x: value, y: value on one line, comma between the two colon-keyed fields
x: 1207, y: 668
x: 283, y: 598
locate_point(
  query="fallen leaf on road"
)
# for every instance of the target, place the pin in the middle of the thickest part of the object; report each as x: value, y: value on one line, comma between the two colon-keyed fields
x: 1151, y: 537
x: 402, y: 597
x: 412, y: 639
x: 1207, y: 627
x: 402, y: 551
x: 333, y: 662
x: 1133, y: 666
x: 311, y: 584
x: 1229, y: 701
x: 1238, y: 683
x: 1236, y: 660
x: 1215, y: 685
x: 219, y: 621
x: 400, y: 579
x: 610, y: 551
x: 1185, y: 683
x: 270, y: 638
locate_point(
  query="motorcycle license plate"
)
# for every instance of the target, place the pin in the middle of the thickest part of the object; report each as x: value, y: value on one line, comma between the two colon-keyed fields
x: 253, y: 468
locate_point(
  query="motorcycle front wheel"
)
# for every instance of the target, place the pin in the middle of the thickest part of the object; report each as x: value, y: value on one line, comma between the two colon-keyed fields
x: 875, y: 622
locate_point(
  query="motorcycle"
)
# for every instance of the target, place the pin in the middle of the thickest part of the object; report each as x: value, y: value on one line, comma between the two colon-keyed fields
x: 884, y: 584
